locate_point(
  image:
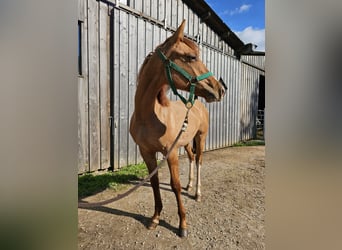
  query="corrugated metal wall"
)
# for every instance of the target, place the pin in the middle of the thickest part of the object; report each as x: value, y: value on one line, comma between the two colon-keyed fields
x: 115, y: 41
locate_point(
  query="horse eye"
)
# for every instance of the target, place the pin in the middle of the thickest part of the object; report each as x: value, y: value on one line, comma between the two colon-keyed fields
x: 192, y: 58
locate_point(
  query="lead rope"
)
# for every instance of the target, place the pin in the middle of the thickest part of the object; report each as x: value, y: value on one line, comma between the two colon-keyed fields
x: 121, y: 196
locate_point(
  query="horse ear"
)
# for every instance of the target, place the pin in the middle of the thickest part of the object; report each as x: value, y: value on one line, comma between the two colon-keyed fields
x: 179, y: 34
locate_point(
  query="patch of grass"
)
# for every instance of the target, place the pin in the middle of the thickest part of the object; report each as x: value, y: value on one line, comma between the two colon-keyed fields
x: 89, y: 184
x: 249, y: 143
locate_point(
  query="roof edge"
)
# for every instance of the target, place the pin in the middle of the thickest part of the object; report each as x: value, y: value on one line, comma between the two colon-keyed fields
x: 209, y: 16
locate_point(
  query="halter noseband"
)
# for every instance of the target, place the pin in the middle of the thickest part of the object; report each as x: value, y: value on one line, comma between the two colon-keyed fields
x: 193, y: 80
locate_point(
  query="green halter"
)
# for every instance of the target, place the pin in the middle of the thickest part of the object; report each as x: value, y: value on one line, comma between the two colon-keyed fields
x: 193, y: 80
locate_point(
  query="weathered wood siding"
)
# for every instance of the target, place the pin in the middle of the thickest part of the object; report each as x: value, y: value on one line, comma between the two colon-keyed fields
x: 93, y: 87
x: 115, y: 40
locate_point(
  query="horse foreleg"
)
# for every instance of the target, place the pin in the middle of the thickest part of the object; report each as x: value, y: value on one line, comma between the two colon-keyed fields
x: 151, y: 162
x: 176, y: 188
x: 191, y: 167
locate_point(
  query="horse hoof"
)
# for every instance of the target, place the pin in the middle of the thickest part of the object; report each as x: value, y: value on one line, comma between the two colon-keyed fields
x: 188, y: 188
x: 152, y: 226
x: 183, y: 232
x: 198, y: 198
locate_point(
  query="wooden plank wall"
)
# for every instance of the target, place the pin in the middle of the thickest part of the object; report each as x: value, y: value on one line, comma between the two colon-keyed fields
x: 83, y: 133
x: 126, y: 35
x: 93, y: 87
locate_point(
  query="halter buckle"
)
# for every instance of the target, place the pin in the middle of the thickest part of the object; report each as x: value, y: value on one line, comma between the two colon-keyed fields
x: 188, y: 105
x: 193, y: 80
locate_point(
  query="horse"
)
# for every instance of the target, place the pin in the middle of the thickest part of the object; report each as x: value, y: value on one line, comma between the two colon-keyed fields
x: 156, y: 120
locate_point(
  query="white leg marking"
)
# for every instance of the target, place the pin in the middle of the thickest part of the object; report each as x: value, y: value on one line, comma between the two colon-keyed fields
x: 191, y: 175
x: 198, y: 189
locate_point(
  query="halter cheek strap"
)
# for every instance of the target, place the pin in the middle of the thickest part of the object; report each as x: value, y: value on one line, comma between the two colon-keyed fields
x: 193, y: 80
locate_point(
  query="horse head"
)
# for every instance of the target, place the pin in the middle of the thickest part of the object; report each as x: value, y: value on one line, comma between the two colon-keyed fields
x: 185, y: 70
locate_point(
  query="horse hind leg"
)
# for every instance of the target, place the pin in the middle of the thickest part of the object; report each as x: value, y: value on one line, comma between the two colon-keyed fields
x: 151, y: 162
x: 191, y: 157
x: 200, y: 141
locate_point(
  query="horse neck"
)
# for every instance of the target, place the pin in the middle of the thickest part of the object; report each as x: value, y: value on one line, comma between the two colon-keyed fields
x: 149, y: 87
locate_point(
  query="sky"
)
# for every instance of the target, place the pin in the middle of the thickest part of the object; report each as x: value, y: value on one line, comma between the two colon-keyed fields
x: 246, y: 18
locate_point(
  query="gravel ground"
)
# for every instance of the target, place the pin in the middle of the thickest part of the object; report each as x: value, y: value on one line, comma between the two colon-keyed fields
x: 231, y: 214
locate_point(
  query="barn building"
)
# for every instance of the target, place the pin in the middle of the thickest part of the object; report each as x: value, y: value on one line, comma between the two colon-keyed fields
x: 114, y: 38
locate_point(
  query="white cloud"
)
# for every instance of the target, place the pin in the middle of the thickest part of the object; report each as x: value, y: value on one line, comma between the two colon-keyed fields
x: 252, y: 35
x: 244, y: 7
x: 241, y: 9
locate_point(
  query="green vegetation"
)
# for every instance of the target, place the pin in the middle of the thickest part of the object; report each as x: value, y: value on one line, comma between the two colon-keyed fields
x: 249, y: 143
x: 89, y: 184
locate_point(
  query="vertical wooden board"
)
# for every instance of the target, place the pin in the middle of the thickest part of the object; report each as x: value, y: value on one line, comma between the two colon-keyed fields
x: 229, y: 99
x: 235, y: 119
x: 225, y: 107
x: 250, y: 103
x: 83, y: 165
x: 245, y: 108
x: 190, y: 20
x: 138, y: 5
x: 174, y: 11
x: 154, y: 9
x: 221, y: 114
x: 235, y: 113
x: 228, y: 83
x: 83, y: 121
x: 186, y: 17
x: 242, y: 104
x: 123, y: 103
x: 163, y: 35
x: 212, y: 37
x: 168, y: 10
x: 147, y: 7
x: 222, y: 102
x: 104, y: 85
x: 233, y: 108
x: 217, y: 105
x: 247, y: 102
x: 195, y: 21
x: 255, y: 89
x: 80, y: 10
x: 94, y: 91
x: 141, y: 54
x: 237, y: 105
x: 179, y: 12
x: 217, y: 41
x: 205, y: 32
x: 161, y: 10
x: 148, y: 40
x: 155, y: 36
x: 211, y: 110
x: 133, y: 40
x: 116, y: 87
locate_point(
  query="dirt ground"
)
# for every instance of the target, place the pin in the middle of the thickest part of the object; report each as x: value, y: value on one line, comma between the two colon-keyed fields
x: 231, y: 214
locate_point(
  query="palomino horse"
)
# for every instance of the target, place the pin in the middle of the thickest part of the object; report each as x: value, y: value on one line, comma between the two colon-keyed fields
x: 156, y: 120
